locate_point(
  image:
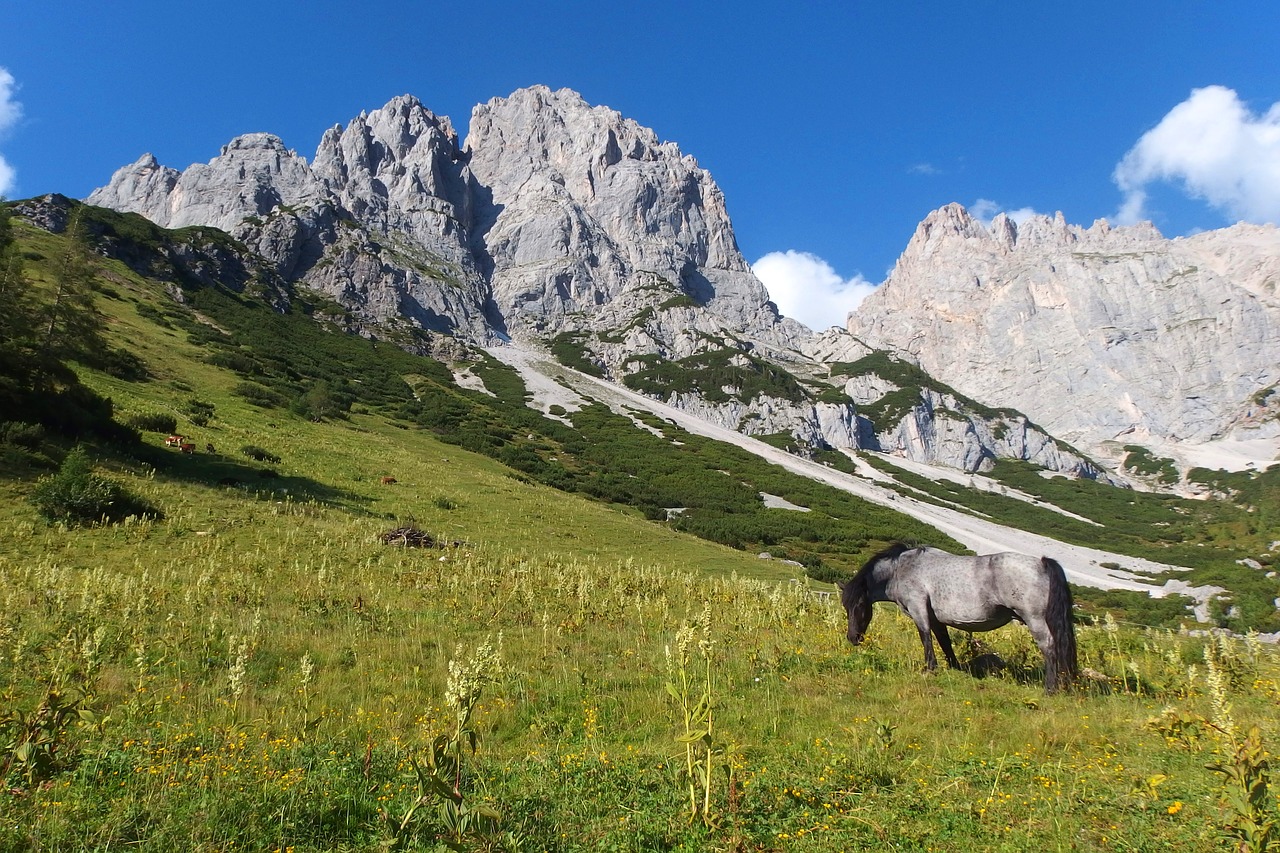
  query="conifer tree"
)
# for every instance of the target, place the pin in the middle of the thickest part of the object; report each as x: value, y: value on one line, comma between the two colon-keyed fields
x: 73, y: 328
x: 19, y: 365
x: 41, y: 330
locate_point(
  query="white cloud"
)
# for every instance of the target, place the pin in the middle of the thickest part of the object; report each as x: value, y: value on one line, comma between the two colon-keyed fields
x: 923, y: 169
x: 1217, y: 149
x: 806, y: 288
x: 10, y: 112
x: 984, y: 210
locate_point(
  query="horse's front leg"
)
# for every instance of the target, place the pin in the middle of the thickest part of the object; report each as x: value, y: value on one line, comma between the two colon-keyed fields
x: 944, y: 639
x: 930, y: 659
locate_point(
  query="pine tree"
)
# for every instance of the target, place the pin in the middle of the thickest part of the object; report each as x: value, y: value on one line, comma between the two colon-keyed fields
x: 73, y: 328
x: 38, y: 336
x: 20, y: 368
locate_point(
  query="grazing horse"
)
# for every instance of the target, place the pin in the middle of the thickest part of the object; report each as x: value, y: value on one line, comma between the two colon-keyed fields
x: 937, y: 589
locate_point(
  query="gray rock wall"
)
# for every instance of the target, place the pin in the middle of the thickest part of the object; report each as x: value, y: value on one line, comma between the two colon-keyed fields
x: 1097, y: 334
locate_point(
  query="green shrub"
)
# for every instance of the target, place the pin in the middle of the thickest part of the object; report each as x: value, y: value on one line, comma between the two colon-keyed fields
x: 237, y: 361
x: 22, y: 434
x: 199, y: 412
x: 255, y: 452
x: 321, y: 402
x: 120, y: 363
x: 77, y: 496
x: 710, y: 373
x: 569, y: 350
x: 260, y: 395
x: 1142, y: 461
x: 153, y: 422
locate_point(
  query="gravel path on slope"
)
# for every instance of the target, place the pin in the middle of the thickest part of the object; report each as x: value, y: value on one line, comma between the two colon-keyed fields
x: 551, y: 383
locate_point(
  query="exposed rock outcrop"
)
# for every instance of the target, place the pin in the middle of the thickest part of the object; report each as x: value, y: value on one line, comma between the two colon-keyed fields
x: 377, y: 222
x: 942, y: 430
x: 585, y: 205
x: 1096, y: 333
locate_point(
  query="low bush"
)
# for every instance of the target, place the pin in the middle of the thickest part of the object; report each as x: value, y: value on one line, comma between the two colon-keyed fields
x: 260, y: 395
x: 77, y: 496
x: 255, y: 452
x: 199, y: 412
x: 153, y: 422
x: 22, y: 434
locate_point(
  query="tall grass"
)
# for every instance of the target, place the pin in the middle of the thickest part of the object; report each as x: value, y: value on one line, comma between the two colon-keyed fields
x: 273, y: 685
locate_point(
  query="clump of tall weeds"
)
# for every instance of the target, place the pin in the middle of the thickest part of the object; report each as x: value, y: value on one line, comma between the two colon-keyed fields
x: 38, y: 743
x: 691, y: 688
x: 1251, y: 821
x: 465, y: 823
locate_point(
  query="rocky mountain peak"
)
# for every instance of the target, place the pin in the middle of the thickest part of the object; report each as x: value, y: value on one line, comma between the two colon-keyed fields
x: 399, y: 169
x: 562, y: 220
x: 252, y: 175
x: 256, y: 142
x: 585, y: 204
x: 1100, y: 334
x: 952, y: 222
x: 553, y: 210
x: 564, y: 133
x: 400, y: 135
x: 949, y: 221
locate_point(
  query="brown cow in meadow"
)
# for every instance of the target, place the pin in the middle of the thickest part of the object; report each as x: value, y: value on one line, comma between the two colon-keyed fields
x: 388, y: 481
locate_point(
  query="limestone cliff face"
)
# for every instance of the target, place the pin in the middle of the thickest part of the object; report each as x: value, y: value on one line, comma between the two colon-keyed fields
x: 555, y: 216
x: 815, y: 424
x: 253, y: 175
x: 585, y: 206
x: 941, y: 430
x: 1096, y: 333
x: 565, y: 223
x: 377, y: 221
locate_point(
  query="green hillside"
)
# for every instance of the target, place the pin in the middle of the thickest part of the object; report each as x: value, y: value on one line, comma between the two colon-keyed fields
x: 258, y: 665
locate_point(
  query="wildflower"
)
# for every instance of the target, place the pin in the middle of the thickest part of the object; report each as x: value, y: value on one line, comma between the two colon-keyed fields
x: 1217, y: 681
x: 238, y: 669
x: 307, y: 671
x: 1175, y: 807
x: 467, y: 679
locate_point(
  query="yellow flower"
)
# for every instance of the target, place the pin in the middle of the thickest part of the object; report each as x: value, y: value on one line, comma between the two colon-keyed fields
x: 1175, y: 807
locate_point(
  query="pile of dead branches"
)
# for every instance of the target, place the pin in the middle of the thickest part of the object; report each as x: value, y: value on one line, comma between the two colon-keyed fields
x: 409, y: 537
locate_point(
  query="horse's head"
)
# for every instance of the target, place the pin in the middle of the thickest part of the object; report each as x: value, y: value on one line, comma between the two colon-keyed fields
x: 857, y: 604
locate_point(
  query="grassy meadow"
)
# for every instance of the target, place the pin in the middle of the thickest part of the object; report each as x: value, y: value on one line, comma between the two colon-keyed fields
x: 265, y: 674
x: 259, y: 669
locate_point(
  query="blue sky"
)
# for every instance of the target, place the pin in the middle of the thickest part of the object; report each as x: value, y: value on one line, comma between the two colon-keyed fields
x: 833, y: 128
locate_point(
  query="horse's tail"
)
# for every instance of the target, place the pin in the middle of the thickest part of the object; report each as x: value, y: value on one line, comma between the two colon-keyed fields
x: 1061, y: 624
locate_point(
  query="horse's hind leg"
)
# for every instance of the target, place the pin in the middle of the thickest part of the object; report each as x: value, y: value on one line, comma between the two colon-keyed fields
x: 1044, y: 639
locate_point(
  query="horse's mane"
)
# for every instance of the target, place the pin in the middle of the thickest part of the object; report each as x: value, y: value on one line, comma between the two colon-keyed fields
x: 856, y: 587
x: 897, y: 549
